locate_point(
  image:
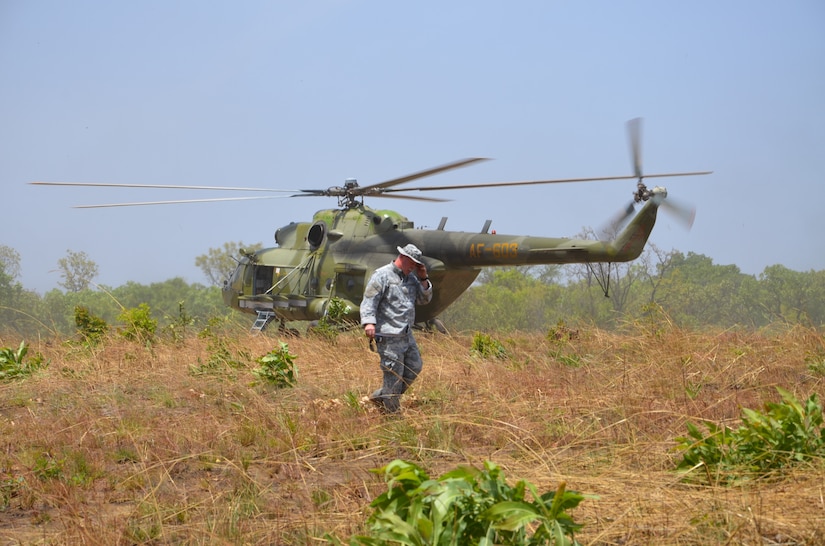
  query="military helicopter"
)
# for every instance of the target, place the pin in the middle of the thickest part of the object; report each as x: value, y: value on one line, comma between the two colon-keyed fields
x: 334, y: 255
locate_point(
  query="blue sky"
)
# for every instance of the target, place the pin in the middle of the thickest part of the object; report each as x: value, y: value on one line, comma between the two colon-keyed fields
x: 305, y: 94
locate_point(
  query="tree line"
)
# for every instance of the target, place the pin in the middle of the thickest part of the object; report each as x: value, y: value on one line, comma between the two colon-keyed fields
x: 688, y: 289
x: 172, y: 302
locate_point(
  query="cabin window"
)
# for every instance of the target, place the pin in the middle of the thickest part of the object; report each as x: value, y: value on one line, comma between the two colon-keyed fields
x: 263, y: 279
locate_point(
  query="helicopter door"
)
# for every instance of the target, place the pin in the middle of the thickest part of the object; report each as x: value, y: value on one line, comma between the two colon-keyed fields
x: 263, y: 279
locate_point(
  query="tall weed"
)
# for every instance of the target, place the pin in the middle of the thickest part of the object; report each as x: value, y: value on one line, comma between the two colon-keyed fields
x: 14, y: 365
x: 784, y: 434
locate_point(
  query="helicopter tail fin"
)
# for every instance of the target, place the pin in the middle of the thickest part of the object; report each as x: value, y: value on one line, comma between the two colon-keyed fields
x: 629, y: 243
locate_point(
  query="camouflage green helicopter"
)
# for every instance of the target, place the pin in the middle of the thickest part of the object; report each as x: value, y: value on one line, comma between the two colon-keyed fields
x: 334, y: 255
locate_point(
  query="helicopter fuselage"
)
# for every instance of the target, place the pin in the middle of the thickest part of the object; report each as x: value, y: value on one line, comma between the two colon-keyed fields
x: 335, y: 254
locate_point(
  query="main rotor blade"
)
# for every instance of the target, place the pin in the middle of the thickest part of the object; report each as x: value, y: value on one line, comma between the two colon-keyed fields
x: 634, y: 131
x: 177, y: 201
x: 537, y: 182
x: 156, y: 186
x: 422, y: 174
x: 697, y: 173
x: 410, y: 197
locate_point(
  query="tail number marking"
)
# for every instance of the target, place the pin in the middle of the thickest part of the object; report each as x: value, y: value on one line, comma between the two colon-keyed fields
x: 504, y: 251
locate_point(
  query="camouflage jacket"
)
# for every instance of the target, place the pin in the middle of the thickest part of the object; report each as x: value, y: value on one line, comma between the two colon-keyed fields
x: 390, y: 299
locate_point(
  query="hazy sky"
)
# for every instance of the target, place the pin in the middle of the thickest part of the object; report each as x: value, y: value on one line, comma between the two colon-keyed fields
x: 305, y: 94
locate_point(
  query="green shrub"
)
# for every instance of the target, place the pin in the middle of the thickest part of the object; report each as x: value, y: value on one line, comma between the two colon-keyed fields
x: 333, y: 321
x: 14, y: 365
x: 561, y: 333
x: 90, y: 327
x: 467, y: 506
x: 487, y: 347
x: 277, y: 367
x: 11, y: 486
x: 787, y: 433
x: 139, y: 324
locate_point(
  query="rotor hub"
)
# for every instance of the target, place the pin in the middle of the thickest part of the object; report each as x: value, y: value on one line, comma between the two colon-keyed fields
x: 641, y: 194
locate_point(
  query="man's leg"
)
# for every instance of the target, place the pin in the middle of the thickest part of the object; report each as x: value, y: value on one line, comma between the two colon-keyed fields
x: 392, y: 366
x: 412, y: 365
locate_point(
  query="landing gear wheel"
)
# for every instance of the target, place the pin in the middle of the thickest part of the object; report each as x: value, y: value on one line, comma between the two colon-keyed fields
x: 437, y: 324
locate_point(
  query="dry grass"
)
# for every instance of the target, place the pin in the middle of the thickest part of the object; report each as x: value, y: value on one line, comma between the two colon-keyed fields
x: 124, y: 445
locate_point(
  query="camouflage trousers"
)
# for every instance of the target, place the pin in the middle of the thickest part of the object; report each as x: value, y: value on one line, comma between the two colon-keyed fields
x: 400, y: 364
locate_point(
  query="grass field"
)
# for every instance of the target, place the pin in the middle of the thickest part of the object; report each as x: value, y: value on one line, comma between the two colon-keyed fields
x: 123, y: 444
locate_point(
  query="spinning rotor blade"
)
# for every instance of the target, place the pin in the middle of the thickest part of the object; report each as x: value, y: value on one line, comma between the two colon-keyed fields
x: 156, y: 186
x: 695, y: 173
x: 421, y: 174
x: 177, y: 201
x: 616, y: 223
x: 685, y: 214
x: 348, y: 195
x: 634, y: 131
x: 503, y: 184
x: 410, y: 197
x: 537, y: 182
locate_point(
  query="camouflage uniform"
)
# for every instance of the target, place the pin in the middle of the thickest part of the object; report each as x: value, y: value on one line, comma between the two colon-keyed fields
x: 389, y: 303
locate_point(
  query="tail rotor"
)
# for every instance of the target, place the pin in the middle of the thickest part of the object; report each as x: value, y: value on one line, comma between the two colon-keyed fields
x: 682, y: 212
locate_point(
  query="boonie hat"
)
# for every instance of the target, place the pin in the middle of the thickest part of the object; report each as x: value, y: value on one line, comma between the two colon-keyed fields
x: 411, y: 251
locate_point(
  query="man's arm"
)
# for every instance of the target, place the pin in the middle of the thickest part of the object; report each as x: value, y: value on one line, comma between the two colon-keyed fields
x: 369, y: 305
x: 425, y: 286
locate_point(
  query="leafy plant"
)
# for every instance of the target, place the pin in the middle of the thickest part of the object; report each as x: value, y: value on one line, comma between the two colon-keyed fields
x: 816, y: 363
x: 177, y: 325
x: 786, y: 433
x: 487, y: 347
x: 71, y: 467
x: 467, y: 506
x: 139, y: 324
x: 561, y: 333
x: 817, y: 368
x: 47, y: 467
x: 277, y: 367
x: 89, y: 326
x: 10, y: 487
x: 219, y: 355
x: 571, y: 360
x: 334, y: 320
x: 13, y: 364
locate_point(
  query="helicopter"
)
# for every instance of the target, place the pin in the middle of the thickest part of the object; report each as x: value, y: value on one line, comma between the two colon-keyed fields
x: 334, y: 255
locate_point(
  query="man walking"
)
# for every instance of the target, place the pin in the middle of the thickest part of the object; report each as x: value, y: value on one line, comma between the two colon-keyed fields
x: 388, y: 315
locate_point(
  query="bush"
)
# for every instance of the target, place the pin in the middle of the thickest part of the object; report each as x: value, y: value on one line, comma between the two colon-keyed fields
x: 787, y: 433
x: 13, y: 364
x: 91, y: 328
x: 487, y: 347
x: 334, y: 320
x: 467, y: 506
x: 277, y: 367
x: 140, y: 326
